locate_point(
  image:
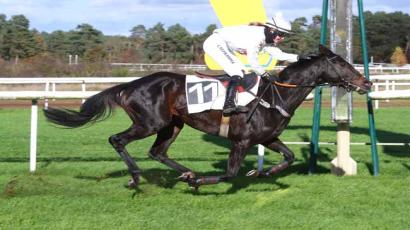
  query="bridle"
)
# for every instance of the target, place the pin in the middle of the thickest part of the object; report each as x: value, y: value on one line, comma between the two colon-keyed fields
x: 342, y: 81
x: 348, y: 86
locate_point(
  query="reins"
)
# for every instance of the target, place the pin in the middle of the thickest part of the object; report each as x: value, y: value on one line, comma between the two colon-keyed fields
x: 287, y: 85
x: 329, y: 63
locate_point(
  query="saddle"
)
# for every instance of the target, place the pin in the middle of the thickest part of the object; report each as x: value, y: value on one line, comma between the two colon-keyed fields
x: 245, y: 84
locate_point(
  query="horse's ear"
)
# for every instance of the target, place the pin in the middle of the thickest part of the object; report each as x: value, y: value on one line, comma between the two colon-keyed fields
x: 325, y: 51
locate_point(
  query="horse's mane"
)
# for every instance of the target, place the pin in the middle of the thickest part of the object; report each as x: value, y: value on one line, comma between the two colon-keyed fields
x: 300, y: 64
x: 303, y: 62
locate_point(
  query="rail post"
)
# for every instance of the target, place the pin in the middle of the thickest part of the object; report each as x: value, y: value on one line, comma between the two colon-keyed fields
x: 372, y: 128
x: 314, y: 143
x: 33, y: 135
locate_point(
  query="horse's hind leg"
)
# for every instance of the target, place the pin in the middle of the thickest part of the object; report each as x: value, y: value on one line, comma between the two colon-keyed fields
x: 119, y: 141
x: 165, y: 137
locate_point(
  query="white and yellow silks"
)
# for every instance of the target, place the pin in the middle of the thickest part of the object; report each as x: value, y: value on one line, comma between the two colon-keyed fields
x: 240, y: 12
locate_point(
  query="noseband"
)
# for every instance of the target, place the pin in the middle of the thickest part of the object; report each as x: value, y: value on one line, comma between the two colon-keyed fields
x: 347, y: 85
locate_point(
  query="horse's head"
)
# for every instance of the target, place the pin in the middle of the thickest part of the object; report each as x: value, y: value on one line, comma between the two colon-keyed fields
x: 341, y: 73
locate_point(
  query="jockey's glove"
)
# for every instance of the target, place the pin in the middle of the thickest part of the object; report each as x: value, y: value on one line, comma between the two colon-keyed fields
x: 265, y: 75
x: 306, y: 56
x: 269, y: 77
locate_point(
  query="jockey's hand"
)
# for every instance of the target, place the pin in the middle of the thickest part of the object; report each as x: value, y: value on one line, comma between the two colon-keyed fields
x: 306, y: 56
x: 268, y: 77
x: 265, y: 75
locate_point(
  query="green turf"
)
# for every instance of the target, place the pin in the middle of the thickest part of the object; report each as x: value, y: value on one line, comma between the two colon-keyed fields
x: 79, y: 182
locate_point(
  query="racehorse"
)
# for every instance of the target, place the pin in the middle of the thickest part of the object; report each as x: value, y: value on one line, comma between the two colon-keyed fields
x: 157, y: 104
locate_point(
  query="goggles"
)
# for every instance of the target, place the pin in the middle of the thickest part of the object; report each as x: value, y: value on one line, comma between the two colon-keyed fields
x: 279, y: 33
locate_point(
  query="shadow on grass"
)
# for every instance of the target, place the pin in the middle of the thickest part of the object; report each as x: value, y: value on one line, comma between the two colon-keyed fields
x: 167, y: 178
x: 114, y: 174
x: 407, y: 166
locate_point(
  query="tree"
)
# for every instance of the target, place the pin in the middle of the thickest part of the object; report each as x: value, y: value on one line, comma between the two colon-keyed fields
x: 138, y: 32
x: 84, y: 37
x: 123, y: 49
x: 95, y: 54
x: 57, y: 43
x: 18, y: 40
x: 296, y: 41
x: 178, y: 45
x: 155, y: 43
x: 398, y: 57
x: 385, y: 31
x: 41, y: 46
x: 305, y: 39
x: 408, y: 49
x: 3, y: 24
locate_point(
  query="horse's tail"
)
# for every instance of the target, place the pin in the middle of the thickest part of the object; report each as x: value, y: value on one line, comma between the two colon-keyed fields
x: 96, y: 108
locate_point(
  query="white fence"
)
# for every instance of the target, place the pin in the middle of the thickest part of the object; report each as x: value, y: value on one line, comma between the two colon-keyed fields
x: 388, y: 87
x: 380, y: 69
x: 50, y: 87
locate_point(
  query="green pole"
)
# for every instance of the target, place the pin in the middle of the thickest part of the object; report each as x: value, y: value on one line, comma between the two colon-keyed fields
x: 314, y: 143
x: 372, y: 128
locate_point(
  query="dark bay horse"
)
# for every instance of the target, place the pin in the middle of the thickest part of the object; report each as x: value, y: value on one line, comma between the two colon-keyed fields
x: 157, y: 104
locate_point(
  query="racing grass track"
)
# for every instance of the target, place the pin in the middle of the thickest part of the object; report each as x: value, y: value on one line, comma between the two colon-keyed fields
x: 79, y: 182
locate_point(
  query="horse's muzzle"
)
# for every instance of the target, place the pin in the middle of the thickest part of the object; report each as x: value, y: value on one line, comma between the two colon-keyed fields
x: 362, y: 85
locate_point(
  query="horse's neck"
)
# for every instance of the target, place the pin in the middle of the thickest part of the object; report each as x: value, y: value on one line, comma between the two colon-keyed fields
x: 293, y: 97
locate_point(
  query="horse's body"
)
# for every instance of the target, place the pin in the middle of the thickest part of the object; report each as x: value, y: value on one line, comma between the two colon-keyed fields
x: 157, y: 104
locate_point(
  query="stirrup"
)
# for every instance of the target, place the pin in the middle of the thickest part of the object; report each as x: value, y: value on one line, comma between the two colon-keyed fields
x: 241, y: 109
x: 228, y: 111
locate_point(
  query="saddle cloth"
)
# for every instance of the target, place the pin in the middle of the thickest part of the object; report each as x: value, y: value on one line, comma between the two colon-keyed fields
x: 209, y: 93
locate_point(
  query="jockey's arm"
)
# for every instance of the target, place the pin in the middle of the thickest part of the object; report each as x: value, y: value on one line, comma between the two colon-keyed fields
x: 253, y: 54
x: 278, y: 54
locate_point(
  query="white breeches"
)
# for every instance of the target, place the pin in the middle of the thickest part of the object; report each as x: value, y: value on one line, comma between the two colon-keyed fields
x: 219, y: 51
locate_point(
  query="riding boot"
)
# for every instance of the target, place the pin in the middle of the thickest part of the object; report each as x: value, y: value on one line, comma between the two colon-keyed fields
x: 229, y: 106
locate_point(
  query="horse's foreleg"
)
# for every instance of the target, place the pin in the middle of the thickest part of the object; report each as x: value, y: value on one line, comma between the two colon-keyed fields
x: 165, y: 138
x: 236, y: 156
x: 278, y: 146
x: 119, y: 141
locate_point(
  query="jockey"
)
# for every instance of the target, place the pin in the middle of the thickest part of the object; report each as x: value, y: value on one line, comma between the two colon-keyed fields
x: 248, y: 40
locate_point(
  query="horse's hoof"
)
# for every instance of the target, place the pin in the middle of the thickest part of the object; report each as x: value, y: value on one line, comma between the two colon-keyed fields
x: 132, y: 184
x: 253, y: 173
x: 186, y: 176
x: 195, y: 188
x: 193, y: 184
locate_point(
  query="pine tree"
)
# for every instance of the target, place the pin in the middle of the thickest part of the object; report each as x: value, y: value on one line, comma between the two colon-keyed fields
x: 18, y: 40
x: 155, y: 43
x: 3, y: 24
x: 57, y: 43
x: 84, y: 37
x: 178, y: 45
